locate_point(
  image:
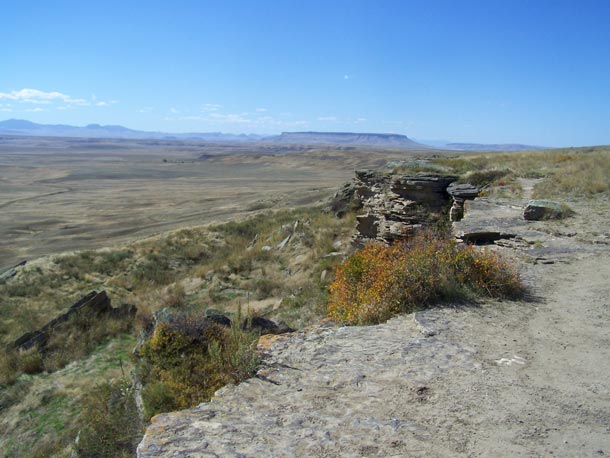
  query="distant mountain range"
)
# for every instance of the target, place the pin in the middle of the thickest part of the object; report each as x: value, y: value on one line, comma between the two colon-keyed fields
x: 490, y: 147
x: 23, y: 127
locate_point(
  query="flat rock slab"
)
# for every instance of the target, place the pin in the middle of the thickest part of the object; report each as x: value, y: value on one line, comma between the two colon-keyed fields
x: 484, y: 216
x: 322, y: 392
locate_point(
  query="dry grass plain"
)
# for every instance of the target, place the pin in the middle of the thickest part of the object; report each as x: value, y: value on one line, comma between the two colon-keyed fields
x: 61, y: 194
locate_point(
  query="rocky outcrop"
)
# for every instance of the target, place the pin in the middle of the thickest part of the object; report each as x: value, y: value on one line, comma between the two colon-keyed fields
x: 196, y: 325
x: 395, y: 205
x: 318, y: 394
x: 460, y: 192
x: 94, y: 304
x: 11, y: 272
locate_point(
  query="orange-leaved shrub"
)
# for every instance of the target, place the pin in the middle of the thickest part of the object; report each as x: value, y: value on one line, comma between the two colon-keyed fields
x: 378, y: 281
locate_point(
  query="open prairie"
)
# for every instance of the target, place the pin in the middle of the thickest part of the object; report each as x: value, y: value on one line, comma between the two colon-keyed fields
x: 59, y: 194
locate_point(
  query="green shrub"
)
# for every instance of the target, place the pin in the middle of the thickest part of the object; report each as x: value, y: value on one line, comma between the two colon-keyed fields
x: 154, y: 270
x: 30, y: 361
x: 157, y: 397
x: 9, y: 367
x: 485, y: 177
x: 186, y: 362
x: 111, y: 426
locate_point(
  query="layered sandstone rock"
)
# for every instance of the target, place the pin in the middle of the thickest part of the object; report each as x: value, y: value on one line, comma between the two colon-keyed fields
x: 396, y: 205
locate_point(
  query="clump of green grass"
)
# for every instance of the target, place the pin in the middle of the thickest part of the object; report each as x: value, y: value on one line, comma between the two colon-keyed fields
x: 110, y: 422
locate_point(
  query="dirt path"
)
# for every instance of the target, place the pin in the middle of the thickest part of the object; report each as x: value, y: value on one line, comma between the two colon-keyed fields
x: 501, y: 379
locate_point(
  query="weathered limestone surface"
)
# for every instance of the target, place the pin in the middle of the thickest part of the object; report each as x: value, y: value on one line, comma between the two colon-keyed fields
x: 319, y: 394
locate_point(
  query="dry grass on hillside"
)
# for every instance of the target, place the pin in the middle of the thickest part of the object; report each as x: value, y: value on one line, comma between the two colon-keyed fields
x: 190, y: 270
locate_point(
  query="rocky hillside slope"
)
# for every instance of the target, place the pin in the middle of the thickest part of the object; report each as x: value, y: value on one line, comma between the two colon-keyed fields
x: 499, y: 379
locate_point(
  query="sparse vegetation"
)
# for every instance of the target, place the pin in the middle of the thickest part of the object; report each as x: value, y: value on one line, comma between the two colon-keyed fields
x: 577, y: 172
x: 378, y: 282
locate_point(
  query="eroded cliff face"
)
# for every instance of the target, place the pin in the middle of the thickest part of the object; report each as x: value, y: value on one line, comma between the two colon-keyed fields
x: 394, y: 206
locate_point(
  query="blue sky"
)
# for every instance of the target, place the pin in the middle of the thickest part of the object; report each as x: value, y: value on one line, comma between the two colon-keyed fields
x: 535, y: 72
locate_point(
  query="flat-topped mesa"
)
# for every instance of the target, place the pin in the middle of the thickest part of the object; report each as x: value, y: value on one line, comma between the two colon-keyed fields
x: 397, y: 205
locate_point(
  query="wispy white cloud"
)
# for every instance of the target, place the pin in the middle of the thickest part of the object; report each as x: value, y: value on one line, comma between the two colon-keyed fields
x: 174, y: 110
x: 35, y: 110
x: 146, y: 109
x: 237, y: 118
x: 209, y: 107
x: 261, y: 110
x: 327, y: 118
x: 359, y: 120
x: 6, y: 109
x: 38, y: 97
x: 101, y: 103
x: 346, y: 77
x: 252, y: 120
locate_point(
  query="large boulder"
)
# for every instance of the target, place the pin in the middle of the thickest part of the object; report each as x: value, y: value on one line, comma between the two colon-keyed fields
x: 537, y: 210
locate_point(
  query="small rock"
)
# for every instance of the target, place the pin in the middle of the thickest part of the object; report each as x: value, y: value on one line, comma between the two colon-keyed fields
x: 265, y: 326
x: 252, y: 243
